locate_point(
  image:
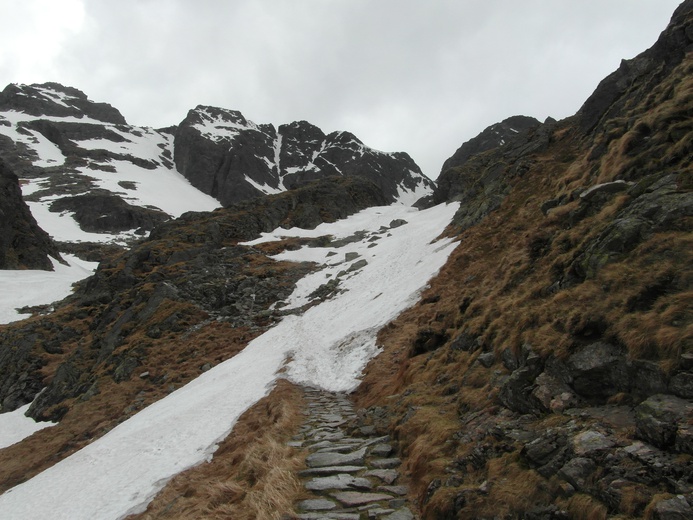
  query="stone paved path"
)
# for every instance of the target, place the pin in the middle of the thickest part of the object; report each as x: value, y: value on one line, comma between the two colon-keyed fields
x: 352, y: 476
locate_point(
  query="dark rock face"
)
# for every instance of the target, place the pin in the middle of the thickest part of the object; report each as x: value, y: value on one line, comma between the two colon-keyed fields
x: 662, y: 420
x: 108, y: 213
x: 494, y: 136
x: 658, y: 204
x: 53, y: 99
x: 23, y: 245
x: 233, y: 159
x: 478, y: 175
x: 617, y: 89
x: 70, y: 147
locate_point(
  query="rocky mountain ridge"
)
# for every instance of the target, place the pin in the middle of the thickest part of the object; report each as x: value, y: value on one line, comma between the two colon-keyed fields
x: 231, y: 158
x: 23, y: 245
x: 80, y: 161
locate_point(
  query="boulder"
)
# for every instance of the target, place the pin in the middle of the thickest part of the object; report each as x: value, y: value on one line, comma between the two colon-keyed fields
x: 598, y: 371
x: 576, y: 471
x: 591, y: 442
x: 676, y: 508
x: 663, y: 419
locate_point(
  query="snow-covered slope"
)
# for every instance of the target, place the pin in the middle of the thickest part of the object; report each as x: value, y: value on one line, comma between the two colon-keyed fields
x: 63, y: 146
x: 31, y: 287
x: 327, y: 346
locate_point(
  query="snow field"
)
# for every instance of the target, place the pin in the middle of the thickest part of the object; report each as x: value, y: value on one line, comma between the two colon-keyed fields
x: 327, y: 346
x: 36, y: 287
x: 15, y: 426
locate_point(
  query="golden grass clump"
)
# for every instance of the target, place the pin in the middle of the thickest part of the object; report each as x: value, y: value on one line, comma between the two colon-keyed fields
x: 585, y: 507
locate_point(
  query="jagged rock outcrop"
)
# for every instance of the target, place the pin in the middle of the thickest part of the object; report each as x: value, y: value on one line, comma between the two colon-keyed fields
x: 23, y: 245
x: 634, y: 78
x: 480, y: 173
x: 494, y: 136
x: 53, y: 99
x: 104, y: 213
x: 233, y: 159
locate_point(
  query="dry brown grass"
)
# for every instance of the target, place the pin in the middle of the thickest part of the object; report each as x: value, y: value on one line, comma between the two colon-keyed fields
x: 585, y: 507
x: 253, y: 475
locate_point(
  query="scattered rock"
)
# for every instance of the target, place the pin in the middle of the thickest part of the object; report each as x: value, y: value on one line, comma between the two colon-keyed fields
x: 588, y: 443
x: 676, y: 508
x: 657, y: 421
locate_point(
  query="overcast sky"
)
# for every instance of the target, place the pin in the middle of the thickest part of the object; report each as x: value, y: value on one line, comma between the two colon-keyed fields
x: 403, y: 75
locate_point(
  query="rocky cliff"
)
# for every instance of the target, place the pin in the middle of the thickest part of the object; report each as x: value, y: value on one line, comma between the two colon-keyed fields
x: 23, y: 245
x: 233, y: 159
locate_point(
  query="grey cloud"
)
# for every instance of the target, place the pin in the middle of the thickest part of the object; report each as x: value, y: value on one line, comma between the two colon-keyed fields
x: 420, y: 77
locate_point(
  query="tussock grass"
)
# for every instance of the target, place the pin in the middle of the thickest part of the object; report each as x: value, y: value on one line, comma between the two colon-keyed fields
x: 585, y: 507
x: 253, y: 474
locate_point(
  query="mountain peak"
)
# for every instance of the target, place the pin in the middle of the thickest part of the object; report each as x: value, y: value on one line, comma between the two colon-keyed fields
x: 233, y: 159
x: 54, y: 99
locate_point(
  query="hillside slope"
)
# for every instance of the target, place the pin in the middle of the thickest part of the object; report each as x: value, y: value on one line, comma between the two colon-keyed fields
x: 548, y: 370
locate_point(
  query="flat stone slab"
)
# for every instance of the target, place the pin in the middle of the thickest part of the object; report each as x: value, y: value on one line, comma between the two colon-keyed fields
x: 378, y: 512
x: 330, y: 470
x: 330, y: 516
x: 317, y: 504
x: 381, y: 450
x: 318, y: 460
x: 400, y: 514
x: 395, y: 490
x: 386, y: 463
x: 328, y: 436
x: 341, y: 481
x: 354, y: 498
x: 336, y: 448
x: 386, y: 475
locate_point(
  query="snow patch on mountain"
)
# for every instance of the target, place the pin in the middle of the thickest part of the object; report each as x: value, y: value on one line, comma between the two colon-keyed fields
x: 35, y: 287
x: 15, y: 426
x: 221, y: 124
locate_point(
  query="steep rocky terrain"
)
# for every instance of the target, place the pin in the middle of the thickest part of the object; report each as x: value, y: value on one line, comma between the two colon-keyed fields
x: 548, y: 370
x: 233, y: 159
x: 86, y: 174
x: 23, y: 245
